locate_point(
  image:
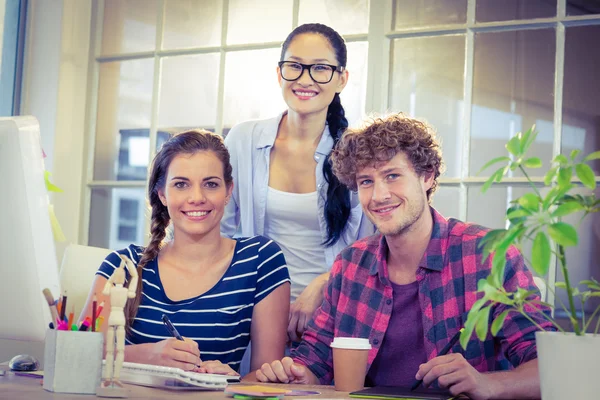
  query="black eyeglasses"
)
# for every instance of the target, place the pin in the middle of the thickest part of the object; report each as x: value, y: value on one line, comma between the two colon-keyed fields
x: 320, y: 73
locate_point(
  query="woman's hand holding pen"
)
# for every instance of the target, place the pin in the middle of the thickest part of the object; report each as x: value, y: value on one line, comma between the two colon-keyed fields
x: 171, y: 352
x: 215, y: 367
x: 452, y: 371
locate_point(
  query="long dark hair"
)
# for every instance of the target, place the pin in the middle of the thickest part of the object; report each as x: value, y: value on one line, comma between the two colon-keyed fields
x: 189, y: 142
x: 337, y: 202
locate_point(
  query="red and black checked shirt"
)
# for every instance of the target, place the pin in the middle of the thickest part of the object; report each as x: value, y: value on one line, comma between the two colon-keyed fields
x: 358, y: 301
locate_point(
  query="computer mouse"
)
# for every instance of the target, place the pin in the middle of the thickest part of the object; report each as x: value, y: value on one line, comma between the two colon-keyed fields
x: 23, y: 362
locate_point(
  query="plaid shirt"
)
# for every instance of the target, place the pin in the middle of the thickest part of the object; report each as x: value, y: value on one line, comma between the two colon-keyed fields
x: 358, y: 301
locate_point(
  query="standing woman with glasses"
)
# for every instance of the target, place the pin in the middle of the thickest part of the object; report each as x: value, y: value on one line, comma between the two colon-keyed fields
x: 285, y: 188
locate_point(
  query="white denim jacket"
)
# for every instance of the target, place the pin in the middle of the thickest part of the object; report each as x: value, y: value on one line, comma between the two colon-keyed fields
x: 250, y: 145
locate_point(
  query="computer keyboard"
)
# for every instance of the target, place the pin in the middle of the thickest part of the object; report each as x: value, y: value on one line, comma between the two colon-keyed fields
x: 172, y: 378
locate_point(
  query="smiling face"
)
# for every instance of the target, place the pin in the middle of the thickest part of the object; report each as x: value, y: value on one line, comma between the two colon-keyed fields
x: 393, y: 195
x: 305, y: 96
x: 195, y: 194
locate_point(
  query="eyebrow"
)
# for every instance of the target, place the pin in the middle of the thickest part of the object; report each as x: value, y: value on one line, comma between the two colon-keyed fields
x: 383, y: 172
x: 317, y: 60
x: 208, y: 178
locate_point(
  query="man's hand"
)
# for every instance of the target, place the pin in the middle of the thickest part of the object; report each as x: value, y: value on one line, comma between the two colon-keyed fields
x: 285, y: 371
x: 303, y: 308
x: 452, y: 371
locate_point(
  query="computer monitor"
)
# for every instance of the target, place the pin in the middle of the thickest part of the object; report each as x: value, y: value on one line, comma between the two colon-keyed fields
x: 27, y: 253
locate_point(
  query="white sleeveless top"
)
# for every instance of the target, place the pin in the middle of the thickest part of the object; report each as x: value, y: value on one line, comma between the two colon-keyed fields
x: 291, y: 220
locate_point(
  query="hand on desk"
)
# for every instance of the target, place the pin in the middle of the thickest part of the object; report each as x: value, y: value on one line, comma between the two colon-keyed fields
x: 453, y: 372
x: 285, y: 371
x: 175, y: 353
x: 215, y: 367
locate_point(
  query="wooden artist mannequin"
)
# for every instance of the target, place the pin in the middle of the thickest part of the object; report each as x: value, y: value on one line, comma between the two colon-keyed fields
x: 115, y: 335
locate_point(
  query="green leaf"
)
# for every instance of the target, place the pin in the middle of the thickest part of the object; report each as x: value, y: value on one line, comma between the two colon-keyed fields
x: 574, y: 154
x: 533, y: 162
x: 561, y: 285
x: 562, y: 160
x: 592, y: 156
x: 563, y: 234
x: 498, y: 267
x: 529, y: 201
x: 566, y: 209
x: 514, y: 146
x: 495, y: 177
x: 483, y: 323
x: 517, y: 213
x: 465, y: 336
x: 492, y: 162
x: 528, y: 138
x: 591, y: 284
x: 550, y: 175
x: 586, y: 175
x: 540, y: 254
x: 564, y: 176
x: 498, y: 322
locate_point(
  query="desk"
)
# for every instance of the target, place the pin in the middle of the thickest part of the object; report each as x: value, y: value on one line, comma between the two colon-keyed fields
x: 20, y: 388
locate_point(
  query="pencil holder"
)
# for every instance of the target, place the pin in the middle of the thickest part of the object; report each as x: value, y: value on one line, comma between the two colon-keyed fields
x: 73, y: 361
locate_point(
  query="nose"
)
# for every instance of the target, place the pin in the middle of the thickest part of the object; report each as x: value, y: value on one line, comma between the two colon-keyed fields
x: 381, y: 192
x: 196, y: 196
x: 305, y: 79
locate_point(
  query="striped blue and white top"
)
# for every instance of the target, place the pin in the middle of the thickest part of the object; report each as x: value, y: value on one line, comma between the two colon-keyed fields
x: 218, y: 320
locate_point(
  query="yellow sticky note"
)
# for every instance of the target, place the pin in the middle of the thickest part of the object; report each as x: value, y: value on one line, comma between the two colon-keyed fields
x: 57, y: 232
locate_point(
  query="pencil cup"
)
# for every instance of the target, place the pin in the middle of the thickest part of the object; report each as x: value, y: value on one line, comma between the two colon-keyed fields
x: 73, y: 361
x: 350, y: 358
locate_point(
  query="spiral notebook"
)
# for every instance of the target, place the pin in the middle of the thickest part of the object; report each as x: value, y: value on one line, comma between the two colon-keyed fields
x: 172, y: 378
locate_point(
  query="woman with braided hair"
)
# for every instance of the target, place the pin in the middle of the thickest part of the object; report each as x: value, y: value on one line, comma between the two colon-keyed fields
x: 211, y: 287
x: 285, y: 189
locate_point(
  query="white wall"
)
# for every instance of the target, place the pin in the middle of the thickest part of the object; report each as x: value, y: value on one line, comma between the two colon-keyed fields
x: 54, y: 90
x: 55, y: 82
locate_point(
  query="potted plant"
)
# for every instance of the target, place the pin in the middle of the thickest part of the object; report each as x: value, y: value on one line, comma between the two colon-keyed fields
x: 567, y: 360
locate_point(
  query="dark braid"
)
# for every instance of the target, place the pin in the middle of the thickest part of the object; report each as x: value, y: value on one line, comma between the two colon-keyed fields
x: 160, y: 222
x: 337, y: 202
x: 189, y: 142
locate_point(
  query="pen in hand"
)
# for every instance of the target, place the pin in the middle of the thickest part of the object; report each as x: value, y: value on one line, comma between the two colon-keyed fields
x: 171, y: 328
x: 444, y: 351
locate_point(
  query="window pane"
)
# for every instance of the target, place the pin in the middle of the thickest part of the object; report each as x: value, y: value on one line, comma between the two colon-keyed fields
x: 188, y: 95
x: 345, y: 16
x: 513, y: 89
x: 582, y: 7
x: 581, y: 92
x: 427, y: 82
x: 251, y: 88
x: 247, y: 22
x: 117, y: 217
x: 446, y: 200
x: 129, y: 26
x: 508, y: 10
x: 354, y: 94
x: 420, y: 13
x: 192, y: 23
x: 122, y: 130
x: 582, y: 259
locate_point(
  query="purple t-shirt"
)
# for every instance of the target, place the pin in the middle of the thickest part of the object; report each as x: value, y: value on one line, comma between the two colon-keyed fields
x: 402, y: 350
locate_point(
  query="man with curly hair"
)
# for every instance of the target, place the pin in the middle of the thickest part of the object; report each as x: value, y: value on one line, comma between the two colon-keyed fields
x: 409, y: 287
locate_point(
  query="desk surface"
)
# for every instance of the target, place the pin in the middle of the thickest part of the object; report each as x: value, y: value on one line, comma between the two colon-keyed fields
x: 20, y: 387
